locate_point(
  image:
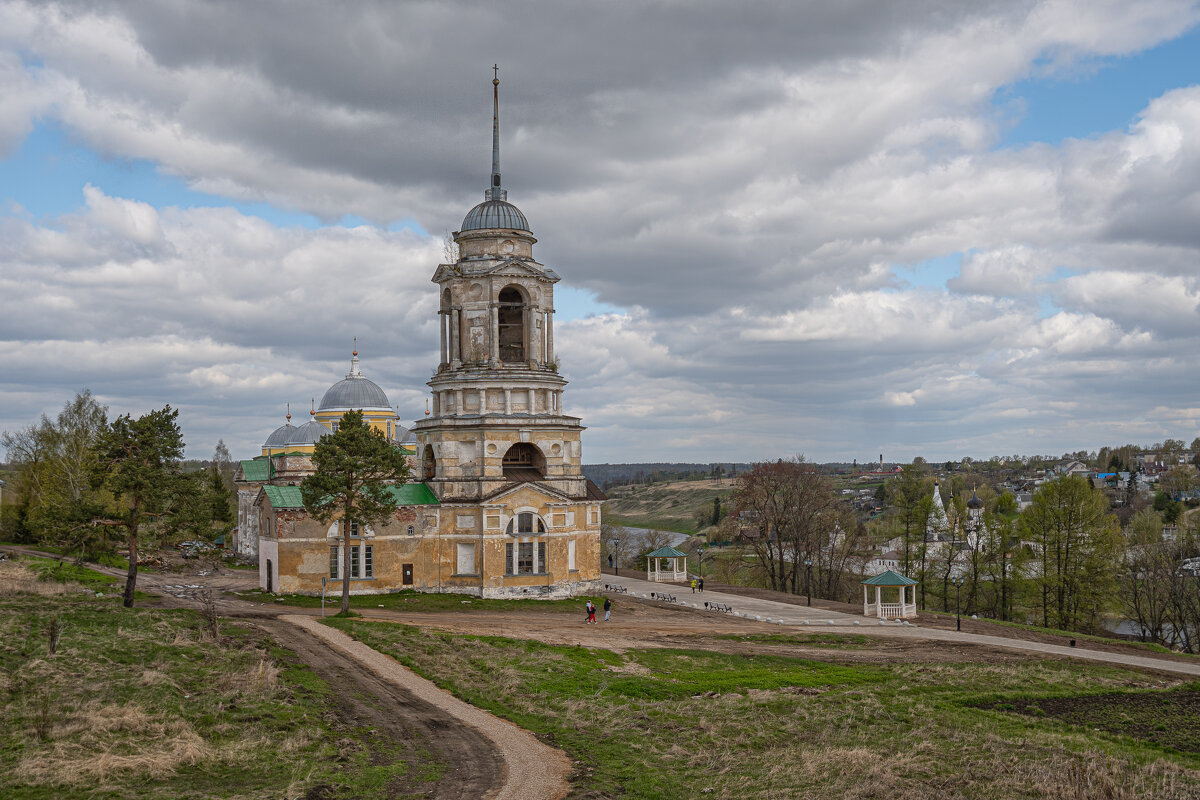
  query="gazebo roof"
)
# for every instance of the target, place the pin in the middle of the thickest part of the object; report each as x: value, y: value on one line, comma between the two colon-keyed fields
x: 670, y: 552
x: 889, y: 578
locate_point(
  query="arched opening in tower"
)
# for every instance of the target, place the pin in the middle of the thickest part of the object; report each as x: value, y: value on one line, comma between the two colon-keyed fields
x: 429, y: 472
x: 511, y: 319
x: 524, y: 462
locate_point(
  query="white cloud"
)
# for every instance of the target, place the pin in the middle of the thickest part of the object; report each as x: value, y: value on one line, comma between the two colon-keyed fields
x: 740, y: 180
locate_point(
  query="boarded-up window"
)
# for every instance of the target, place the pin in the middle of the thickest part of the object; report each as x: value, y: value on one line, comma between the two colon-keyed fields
x: 571, y: 554
x: 466, y: 558
x: 465, y: 521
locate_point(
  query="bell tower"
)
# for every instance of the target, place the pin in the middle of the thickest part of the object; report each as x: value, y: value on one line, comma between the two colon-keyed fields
x: 497, y: 449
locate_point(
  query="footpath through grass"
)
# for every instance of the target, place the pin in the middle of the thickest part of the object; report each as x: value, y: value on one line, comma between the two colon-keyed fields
x: 663, y: 724
x: 147, y: 703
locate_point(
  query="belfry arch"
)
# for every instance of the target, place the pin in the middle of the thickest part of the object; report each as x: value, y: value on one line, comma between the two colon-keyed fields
x: 512, y: 315
x: 523, y: 456
x: 429, y: 463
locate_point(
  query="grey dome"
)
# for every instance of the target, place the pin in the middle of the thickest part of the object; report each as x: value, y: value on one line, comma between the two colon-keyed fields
x: 495, y: 214
x: 280, y: 436
x: 308, y: 433
x: 974, y: 502
x: 355, y: 393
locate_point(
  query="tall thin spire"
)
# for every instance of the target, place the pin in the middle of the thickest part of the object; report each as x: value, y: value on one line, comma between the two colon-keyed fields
x: 495, y: 192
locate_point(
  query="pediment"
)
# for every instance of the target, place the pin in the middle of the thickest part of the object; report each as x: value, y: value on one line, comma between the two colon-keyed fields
x: 520, y: 268
x: 445, y: 272
x: 553, y: 495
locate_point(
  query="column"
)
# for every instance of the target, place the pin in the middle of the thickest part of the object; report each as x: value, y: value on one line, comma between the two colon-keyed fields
x: 458, y: 402
x: 878, y: 610
x: 865, y: 603
x: 442, y: 323
x: 508, y: 401
x: 550, y: 335
x: 494, y: 344
x: 455, y: 335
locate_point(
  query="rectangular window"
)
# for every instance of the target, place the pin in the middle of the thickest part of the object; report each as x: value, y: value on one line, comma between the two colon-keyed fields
x: 389, y: 430
x: 524, y: 557
x: 335, y: 426
x: 354, y: 529
x: 368, y: 561
x: 508, y: 559
x: 466, y: 559
x: 334, y: 561
x: 541, y: 559
x: 571, y: 554
x: 354, y: 562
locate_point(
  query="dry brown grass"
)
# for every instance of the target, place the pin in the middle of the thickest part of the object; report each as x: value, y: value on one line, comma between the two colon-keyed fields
x: 17, y: 579
x: 99, y: 741
x: 258, y: 681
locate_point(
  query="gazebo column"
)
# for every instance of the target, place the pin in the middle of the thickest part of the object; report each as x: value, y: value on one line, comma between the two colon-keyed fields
x: 878, y: 606
x: 866, y: 605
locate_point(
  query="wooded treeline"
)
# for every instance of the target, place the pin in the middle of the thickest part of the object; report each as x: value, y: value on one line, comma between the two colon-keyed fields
x: 88, y: 484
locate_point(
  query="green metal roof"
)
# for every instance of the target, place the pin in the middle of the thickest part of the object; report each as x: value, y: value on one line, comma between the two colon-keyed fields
x: 666, y: 552
x: 409, y: 494
x: 284, y: 496
x: 255, y: 469
x: 889, y: 578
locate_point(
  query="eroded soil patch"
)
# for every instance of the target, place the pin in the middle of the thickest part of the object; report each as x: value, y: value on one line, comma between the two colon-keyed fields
x: 1170, y: 719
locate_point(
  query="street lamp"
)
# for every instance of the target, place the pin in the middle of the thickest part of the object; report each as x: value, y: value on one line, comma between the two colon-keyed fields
x: 617, y: 560
x: 700, y: 553
x: 808, y: 580
x: 957, y: 581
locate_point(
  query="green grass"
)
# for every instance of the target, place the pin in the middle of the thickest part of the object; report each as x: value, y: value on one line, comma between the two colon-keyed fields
x: 657, y: 724
x: 49, y: 569
x: 143, y: 703
x: 409, y: 600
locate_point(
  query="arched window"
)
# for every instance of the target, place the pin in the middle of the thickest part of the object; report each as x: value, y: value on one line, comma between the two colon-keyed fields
x: 523, y: 461
x: 430, y: 463
x: 511, y: 319
x: 525, y: 523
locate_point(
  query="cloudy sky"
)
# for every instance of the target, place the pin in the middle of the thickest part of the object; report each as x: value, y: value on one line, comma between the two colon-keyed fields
x: 836, y: 229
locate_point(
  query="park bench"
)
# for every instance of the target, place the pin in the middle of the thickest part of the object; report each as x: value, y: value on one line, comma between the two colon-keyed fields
x: 719, y: 607
x: 666, y: 598
x: 615, y: 589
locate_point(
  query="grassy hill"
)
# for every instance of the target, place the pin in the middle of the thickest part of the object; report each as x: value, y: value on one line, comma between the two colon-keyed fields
x: 670, y: 506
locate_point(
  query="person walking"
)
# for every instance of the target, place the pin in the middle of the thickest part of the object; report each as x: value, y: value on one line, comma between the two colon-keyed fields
x: 591, y: 613
x: 693, y: 585
x: 700, y: 585
x: 607, y: 609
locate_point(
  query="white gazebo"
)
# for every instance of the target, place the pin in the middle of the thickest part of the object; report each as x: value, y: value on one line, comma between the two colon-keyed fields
x: 656, y: 569
x: 899, y: 610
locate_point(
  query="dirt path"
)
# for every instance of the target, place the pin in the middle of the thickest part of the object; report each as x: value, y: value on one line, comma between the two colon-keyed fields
x: 472, y: 766
x: 534, y: 771
x: 375, y: 694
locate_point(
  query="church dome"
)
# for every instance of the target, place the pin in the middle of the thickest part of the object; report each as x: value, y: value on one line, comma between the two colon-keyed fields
x: 495, y: 214
x: 308, y: 433
x: 280, y: 436
x: 974, y: 502
x: 354, y: 392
